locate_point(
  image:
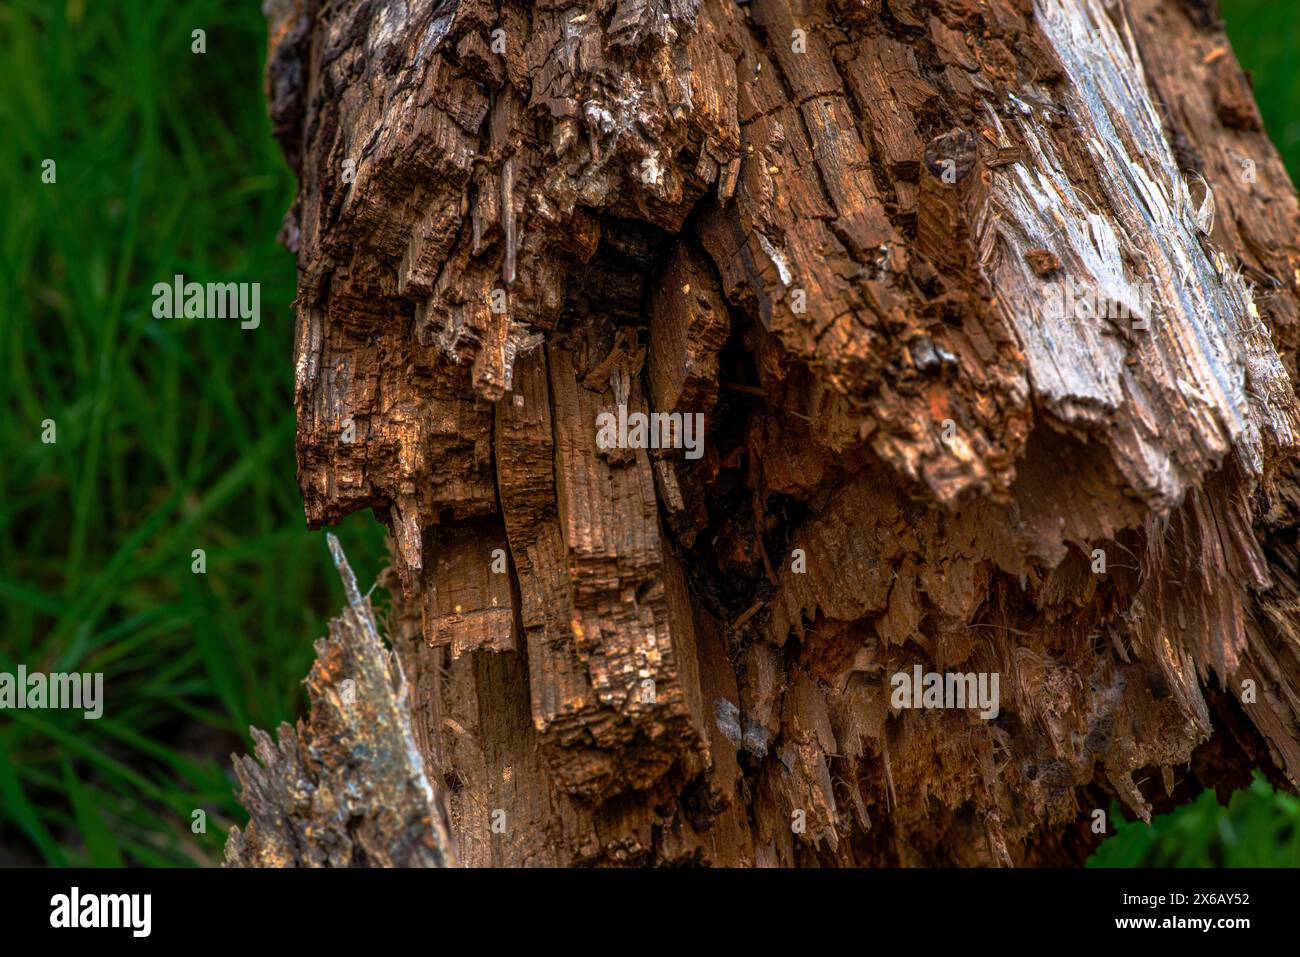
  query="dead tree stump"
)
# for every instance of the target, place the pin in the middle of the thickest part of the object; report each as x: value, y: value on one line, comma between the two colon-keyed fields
x: 987, y: 315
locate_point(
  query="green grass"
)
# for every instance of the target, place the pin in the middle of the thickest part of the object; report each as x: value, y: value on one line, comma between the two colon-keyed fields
x: 1260, y: 827
x: 171, y: 434
x: 178, y: 434
x: 1265, y: 35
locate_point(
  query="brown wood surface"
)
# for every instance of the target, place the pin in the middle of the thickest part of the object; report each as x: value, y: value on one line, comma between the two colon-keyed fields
x: 840, y: 231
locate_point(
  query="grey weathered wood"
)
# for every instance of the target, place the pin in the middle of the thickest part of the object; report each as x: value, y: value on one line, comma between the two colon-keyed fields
x: 349, y: 786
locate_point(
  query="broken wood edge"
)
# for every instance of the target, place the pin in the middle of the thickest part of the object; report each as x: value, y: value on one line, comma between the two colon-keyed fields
x: 348, y: 787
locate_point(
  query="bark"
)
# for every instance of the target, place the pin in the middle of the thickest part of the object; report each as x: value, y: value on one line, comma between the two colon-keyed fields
x: 841, y: 231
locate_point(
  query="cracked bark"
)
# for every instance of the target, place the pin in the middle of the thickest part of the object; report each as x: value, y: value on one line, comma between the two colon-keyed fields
x: 852, y: 235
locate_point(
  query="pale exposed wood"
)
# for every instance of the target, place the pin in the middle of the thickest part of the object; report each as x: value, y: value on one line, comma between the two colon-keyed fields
x: 349, y: 786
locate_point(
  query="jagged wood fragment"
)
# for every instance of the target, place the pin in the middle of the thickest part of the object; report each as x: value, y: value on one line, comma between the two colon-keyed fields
x: 348, y: 787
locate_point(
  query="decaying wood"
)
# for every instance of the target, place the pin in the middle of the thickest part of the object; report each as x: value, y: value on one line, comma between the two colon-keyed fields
x: 989, y: 309
x: 347, y: 788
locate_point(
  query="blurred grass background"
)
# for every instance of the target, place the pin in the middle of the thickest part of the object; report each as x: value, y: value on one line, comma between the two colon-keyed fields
x: 1260, y: 827
x: 178, y: 434
x: 172, y: 435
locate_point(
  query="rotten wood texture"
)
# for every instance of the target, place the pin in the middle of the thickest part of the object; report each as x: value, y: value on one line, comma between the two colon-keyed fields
x: 989, y: 312
x: 347, y: 788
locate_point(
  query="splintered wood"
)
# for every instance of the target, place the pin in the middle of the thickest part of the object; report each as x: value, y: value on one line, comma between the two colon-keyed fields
x: 348, y: 787
x: 989, y: 311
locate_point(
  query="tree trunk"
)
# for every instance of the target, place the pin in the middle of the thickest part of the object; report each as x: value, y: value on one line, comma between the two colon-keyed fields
x: 989, y: 309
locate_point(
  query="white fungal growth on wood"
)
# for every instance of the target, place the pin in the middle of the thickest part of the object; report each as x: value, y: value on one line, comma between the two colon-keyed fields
x: 778, y: 259
x: 520, y: 341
